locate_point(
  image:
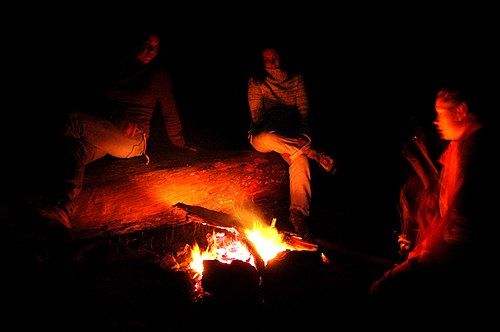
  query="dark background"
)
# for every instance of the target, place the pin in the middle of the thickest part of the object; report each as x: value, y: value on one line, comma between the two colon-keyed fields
x: 372, y: 75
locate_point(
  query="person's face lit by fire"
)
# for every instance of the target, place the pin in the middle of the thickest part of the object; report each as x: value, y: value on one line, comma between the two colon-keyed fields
x: 271, y: 58
x: 150, y: 49
x: 450, y: 118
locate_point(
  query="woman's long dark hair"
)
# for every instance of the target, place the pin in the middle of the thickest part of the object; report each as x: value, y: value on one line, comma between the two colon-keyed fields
x: 258, y: 72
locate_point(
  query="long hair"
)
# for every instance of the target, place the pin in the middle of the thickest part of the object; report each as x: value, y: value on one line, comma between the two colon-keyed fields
x: 418, y: 200
x: 257, y: 70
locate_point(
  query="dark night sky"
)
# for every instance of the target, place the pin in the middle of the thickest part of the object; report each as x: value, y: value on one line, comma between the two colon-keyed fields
x: 347, y: 53
x: 369, y: 73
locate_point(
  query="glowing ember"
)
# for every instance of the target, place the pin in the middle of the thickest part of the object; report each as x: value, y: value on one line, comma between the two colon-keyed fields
x: 226, y: 248
x: 222, y: 248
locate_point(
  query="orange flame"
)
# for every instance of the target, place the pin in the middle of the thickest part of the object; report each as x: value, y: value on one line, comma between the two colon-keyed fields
x: 267, y: 240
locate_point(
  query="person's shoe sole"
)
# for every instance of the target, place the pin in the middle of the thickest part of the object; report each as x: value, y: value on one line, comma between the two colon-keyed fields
x: 55, y: 217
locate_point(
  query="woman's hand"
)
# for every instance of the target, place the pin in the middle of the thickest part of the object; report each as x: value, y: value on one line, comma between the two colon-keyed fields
x: 191, y: 148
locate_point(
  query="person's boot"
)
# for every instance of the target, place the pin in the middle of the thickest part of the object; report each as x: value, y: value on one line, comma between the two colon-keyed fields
x: 324, y: 160
x: 56, y: 211
x: 298, y: 221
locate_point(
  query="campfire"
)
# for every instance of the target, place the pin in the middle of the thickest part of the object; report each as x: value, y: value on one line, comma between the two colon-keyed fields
x: 236, y: 258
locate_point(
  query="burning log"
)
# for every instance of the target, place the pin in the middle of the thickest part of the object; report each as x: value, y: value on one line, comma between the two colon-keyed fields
x: 230, y: 223
x: 222, y: 220
x: 298, y: 242
x: 234, y: 283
